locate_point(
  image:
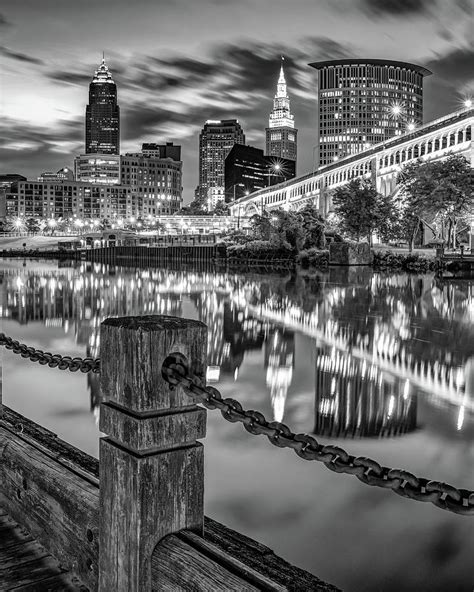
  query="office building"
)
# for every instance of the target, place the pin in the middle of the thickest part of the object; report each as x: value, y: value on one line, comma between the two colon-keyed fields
x: 7, y: 180
x: 64, y: 174
x: 364, y: 102
x: 97, y: 168
x: 281, y: 134
x: 71, y: 199
x: 246, y: 170
x: 156, y: 182
x: 102, y: 114
x: 168, y: 150
x: 215, y: 142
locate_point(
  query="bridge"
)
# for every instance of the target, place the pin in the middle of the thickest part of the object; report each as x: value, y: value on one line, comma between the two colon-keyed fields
x: 451, y: 134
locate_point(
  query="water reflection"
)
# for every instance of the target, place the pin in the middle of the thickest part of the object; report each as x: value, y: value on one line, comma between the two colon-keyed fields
x: 355, y: 399
x: 380, y: 342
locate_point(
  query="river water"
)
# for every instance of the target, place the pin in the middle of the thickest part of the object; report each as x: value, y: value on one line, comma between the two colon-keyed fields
x: 380, y: 364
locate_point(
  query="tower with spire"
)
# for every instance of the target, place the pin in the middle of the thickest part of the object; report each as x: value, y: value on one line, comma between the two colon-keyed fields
x: 281, y: 132
x: 102, y: 114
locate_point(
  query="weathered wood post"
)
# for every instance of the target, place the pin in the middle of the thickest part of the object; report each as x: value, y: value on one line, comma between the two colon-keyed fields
x: 151, y: 467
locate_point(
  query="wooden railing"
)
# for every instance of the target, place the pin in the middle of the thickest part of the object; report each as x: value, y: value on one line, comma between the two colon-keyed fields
x: 133, y: 521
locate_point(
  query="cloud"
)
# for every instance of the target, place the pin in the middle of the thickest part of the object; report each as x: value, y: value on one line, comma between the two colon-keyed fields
x: 4, y: 22
x: 20, y: 57
x: 31, y: 149
x: 380, y: 8
x: 454, y: 67
x: 75, y: 78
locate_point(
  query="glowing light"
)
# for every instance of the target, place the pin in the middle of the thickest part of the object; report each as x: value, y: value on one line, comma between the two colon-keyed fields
x: 396, y: 110
x: 468, y: 103
x: 411, y: 126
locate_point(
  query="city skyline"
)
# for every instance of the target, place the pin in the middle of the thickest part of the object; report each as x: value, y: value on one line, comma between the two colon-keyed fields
x: 168, y: 88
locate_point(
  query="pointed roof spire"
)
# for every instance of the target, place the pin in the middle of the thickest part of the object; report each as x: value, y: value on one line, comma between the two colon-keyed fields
x: 102, y: 73
x: 282, y: 80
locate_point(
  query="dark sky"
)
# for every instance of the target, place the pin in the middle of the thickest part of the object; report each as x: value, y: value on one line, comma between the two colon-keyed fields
x: 180, y: 62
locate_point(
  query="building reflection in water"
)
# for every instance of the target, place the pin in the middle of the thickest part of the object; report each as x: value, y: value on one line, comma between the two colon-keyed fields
x: 279, y: 364
x: 356, y: 400
x: 380, y: 339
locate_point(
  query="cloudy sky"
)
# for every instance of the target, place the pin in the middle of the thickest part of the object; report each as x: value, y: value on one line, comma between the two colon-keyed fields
x: 180, y: 62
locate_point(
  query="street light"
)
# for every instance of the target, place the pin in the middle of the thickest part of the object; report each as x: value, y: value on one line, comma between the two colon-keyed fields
x: 468, y: 103
x: 273, y: 167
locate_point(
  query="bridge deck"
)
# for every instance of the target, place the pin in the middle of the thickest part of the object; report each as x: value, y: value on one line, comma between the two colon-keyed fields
x: 26, y: 566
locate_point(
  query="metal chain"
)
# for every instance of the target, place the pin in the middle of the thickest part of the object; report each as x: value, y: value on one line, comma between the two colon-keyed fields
x: 175, y: 371
x: 460, y: 501
x: 48, y: 359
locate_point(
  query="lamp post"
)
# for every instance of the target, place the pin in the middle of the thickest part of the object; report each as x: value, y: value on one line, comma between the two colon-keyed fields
x: 273, y: 167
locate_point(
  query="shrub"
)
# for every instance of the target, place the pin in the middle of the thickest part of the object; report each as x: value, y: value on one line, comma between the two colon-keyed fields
x: 258, y: 249
x: 403, y: 261
x: 313, y: 258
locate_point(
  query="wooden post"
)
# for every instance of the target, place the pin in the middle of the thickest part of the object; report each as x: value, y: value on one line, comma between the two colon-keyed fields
x: 151, y: 467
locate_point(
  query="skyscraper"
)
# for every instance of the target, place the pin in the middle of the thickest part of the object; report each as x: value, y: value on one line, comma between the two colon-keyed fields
x: 215, y: 142
x: 363, y: 102
x: 247, y: 170
x: 281, y: 132
x: 102, y: 114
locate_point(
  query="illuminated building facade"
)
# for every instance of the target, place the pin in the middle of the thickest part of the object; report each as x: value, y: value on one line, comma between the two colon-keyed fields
x: 364, y: 102
x: 102, y: 114
x: 70, y: 199
x: 64, y: 174
x: 215, y: 142
x: 97, y: 168
x: 155, y: 182
x: 214, y: 196
x: 246, y: 169
x: 281, y: 134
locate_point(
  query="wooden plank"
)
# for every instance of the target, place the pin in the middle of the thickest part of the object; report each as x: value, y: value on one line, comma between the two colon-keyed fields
x: 59, y: 583
x: 58, y: 506
x: 50, y: 444
x: 16, y: 553
x: 261, y: 558
x: 28, y: 571
x: 177, y: 566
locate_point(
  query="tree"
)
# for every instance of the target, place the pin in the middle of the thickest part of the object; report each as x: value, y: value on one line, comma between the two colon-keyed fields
x: 195, y: 208
x: 261, y: 228
x: 221, y: 209
x: 436, y: 191
x: 313, y: 226
x: 288, y: 230
x: 362, y: 211
x: 32, y: 225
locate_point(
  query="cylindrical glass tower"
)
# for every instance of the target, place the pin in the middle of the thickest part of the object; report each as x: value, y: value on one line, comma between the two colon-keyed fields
x: 362, y: 102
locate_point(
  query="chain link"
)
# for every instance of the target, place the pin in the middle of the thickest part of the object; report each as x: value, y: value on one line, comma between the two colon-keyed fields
x: 460, y: 501
x: 48, y: 359
x: 175, y: 371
